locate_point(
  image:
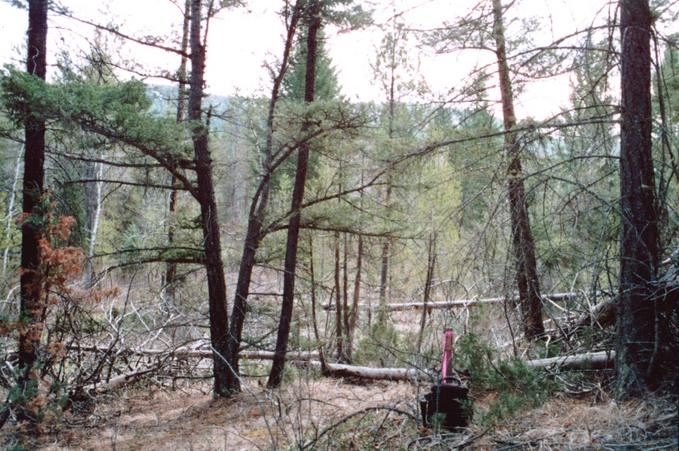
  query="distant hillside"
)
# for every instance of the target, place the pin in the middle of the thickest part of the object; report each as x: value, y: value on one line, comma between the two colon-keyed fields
x: 164, y: 98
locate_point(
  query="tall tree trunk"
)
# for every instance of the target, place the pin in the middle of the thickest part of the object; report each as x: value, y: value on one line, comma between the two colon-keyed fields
x: 10, y: 209
x: 32, y: 304
x: 353, y: 314
x: 93, y: 194
x: 278, y: 365
x: 171, y: 268
x: 339, y: 322
x: 638, y: 224
x: 386, y: 244
x: 522, y: 237
x: 345, y: 299
x: 258, y: 209
x: 314, y: 322
x: 208, y: 209
x: 431, y: 263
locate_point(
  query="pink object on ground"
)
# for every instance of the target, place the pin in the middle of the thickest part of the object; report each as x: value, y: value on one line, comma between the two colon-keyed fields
x: 447, y: 366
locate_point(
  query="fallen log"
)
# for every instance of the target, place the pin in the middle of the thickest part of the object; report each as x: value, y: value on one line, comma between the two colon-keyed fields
x: 117, y: 381
x: 181, y: 353
x: 588, y: 360
x: 403, y: 306
x: 602, y: 314
x: 367, y: 372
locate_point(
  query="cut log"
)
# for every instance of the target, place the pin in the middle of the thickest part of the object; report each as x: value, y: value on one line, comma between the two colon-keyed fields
x: 398, y: 307
x: 588, y: 360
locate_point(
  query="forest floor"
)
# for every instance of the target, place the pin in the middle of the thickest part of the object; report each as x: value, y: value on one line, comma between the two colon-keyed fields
x: 321, y: 413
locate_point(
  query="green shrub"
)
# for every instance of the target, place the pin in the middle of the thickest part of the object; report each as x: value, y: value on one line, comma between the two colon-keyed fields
x: 518, y: 386
x: 379, y: 348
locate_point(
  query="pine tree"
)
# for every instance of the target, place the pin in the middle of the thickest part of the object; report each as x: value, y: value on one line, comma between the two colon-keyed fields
x: 32, y: 225
x: 327, y: 86
x: 639, y: 253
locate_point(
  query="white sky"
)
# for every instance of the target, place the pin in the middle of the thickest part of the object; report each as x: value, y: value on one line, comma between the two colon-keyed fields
x: 243, y: 39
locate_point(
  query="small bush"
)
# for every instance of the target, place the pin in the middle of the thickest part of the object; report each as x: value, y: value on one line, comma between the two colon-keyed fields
x: 379, y: 348
x: 518, y: 386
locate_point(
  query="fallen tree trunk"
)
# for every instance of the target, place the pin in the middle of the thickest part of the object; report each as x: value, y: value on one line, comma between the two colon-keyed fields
x: 398, y: 307
x: 588, y: 360
x: 367, y: 372
x: 181, y: 353
x: 117, y: 381
x: 602, y: 314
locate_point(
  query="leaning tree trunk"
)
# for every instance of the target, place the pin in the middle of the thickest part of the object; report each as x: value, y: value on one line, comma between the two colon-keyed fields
x: 522, y: 238
x: 258, y: 209
x: 208, y: 209
x: 171, y: 267
x: 638, y: 222
x: 32, y: 306
x: 278, y: 365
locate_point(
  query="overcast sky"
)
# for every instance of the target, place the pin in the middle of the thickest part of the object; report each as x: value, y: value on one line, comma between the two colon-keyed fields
x: 242, y: 40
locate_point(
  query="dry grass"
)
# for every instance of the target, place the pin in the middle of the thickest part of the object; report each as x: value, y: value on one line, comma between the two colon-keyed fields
x: 564, y: 423
x: 333, y: 414
x: 255, y: 419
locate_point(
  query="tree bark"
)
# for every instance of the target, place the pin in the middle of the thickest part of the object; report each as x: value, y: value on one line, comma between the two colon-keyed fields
x: 32, y: 305
x: 208, y: 209
x: 522, y: 237
x: 258, y: 209
x: 638, y: 223
x: 278, y: 365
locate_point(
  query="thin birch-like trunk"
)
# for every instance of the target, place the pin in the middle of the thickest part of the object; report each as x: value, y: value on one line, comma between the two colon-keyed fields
x: 10, y: 210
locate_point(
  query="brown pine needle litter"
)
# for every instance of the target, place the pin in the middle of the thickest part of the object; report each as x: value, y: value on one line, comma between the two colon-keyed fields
x: 333, y: 414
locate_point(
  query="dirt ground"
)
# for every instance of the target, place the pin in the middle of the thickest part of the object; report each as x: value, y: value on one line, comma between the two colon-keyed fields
x: 321, y: 413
